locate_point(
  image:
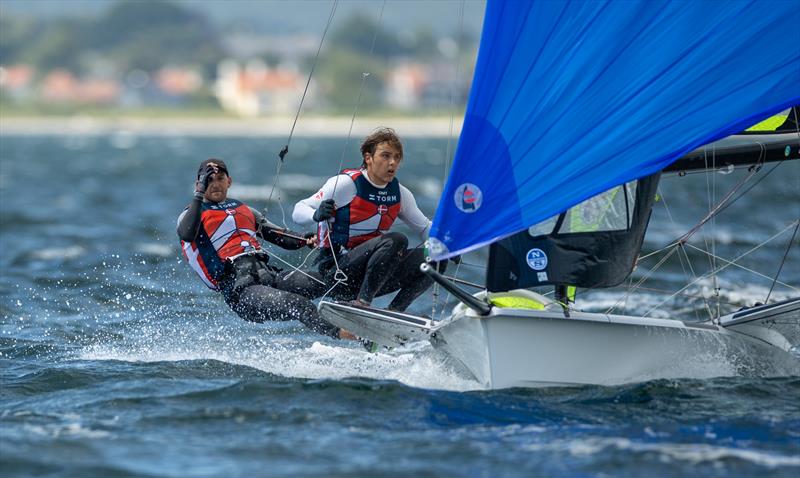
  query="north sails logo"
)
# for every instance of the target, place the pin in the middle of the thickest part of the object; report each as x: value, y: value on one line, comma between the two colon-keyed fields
x: 537, y: 259
x: 468, y: 198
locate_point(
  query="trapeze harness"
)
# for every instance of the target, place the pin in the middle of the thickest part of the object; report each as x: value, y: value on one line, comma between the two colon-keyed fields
x: 371, y: 213
x: 227, y: 232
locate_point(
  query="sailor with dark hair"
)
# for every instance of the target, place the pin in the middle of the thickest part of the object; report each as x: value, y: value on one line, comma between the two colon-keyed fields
x: 219, y: 237
x: 354, y: 212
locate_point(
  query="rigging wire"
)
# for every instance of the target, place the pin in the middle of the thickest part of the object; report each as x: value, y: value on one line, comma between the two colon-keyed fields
x: 720, y: 269
x: 448, y: 154
x: 723, y: 204
x: 285, y: 150
x: 783, y: 261
x: 712, y: 274
x: 794, y: 234
x: 725, y: 200
x: 712, y: 195
x: 745, y: 268
x: 340, y: 276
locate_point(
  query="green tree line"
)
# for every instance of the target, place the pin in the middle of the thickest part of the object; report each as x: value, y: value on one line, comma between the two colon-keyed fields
x: 149, y: 34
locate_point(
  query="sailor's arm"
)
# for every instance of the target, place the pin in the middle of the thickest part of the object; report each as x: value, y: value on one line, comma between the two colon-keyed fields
x: 279, y: 236
x: 189, y: 221
x: 411, y: 214
x: 339, y: 188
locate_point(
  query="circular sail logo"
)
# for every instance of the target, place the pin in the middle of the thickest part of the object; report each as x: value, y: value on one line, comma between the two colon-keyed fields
x: 468, y: 197
x: 537, y: 259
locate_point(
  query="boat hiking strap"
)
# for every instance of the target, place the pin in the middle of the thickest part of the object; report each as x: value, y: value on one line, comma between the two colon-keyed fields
x: 516, y: 302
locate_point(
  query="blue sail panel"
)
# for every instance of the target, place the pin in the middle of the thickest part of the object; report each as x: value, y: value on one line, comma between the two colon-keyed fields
x: 572, y: 98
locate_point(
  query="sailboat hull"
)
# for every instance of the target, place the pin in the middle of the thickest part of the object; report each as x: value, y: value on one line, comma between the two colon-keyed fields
x: 520, y: 348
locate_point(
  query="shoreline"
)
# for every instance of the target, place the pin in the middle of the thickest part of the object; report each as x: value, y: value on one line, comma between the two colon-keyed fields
x: 311, y: 126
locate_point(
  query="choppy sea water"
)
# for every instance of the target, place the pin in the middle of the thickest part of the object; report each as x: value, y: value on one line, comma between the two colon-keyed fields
x: 116, y: 361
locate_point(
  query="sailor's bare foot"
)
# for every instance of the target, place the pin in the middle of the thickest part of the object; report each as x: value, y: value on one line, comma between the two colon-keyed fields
x: 359, y: 303
x: 345, y: 335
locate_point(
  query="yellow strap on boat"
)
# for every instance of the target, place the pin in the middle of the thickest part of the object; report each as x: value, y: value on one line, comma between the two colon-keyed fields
x: 514, y: 302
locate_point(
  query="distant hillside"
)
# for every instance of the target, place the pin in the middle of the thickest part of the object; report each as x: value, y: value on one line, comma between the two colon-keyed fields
x: 285, y: 16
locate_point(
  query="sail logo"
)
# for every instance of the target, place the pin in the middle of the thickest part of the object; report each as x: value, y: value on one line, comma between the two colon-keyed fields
x: 537, y: 259
x: 468, y: 198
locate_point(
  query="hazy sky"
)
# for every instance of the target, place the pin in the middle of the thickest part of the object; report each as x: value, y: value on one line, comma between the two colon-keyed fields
x: 281, y: 16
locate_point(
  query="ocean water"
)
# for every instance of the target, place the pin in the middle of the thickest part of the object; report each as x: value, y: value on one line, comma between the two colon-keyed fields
x: 116, y: 361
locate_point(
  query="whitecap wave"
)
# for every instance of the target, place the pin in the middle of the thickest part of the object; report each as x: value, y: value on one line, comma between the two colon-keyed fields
x: 690, y: 453
x: 156, y: 249
x: 417, y: 365
x: 52, y: 253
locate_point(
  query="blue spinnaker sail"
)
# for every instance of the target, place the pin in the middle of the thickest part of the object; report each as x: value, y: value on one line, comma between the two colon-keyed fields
x: 571, y: 98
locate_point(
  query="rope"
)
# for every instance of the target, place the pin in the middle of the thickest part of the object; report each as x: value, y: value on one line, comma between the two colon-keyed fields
x: 285, y: 149
x: 754, y: 272
x: 720, y: 269
x: 296, y: 268
x: 339, y: 274
x: 643, y: 279
x: 788, y: 247
x: 447, y: 153
x: 722, y: 202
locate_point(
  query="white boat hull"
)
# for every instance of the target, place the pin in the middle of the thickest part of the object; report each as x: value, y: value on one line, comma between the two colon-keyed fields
x: 527, y: 341
x: 524, y: 348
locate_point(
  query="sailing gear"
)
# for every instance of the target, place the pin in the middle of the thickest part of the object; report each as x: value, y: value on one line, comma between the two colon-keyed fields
x: 228, y: 229
x: 375, y: 261
x: 377, y: 267
x: 259, y: 292
x: 342, y: 189
x: 203, y: 176
x: 371, y: 212
x: 325, y: 211
x: 219, y: 241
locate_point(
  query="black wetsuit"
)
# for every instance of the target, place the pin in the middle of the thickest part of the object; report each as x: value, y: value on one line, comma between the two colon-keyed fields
x: 258, y: 291
x: 377, y: 267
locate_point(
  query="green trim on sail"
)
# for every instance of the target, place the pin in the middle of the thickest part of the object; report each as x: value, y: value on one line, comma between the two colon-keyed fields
x: 770, y: 124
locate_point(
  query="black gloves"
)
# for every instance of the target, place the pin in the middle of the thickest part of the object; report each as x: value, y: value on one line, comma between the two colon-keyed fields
x: 308, y: 236
x: 202, y: 180
x: 325, y: 211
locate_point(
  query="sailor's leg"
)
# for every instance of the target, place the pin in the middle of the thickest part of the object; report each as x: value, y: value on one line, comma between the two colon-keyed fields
x: 368, y: 266
x: 259, y: 303
x: 380, y: 263
x: 309, y: 284
x: 409, y: 279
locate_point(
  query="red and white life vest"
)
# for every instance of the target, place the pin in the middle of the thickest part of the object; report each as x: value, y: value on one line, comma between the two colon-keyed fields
x: 227, y: 230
